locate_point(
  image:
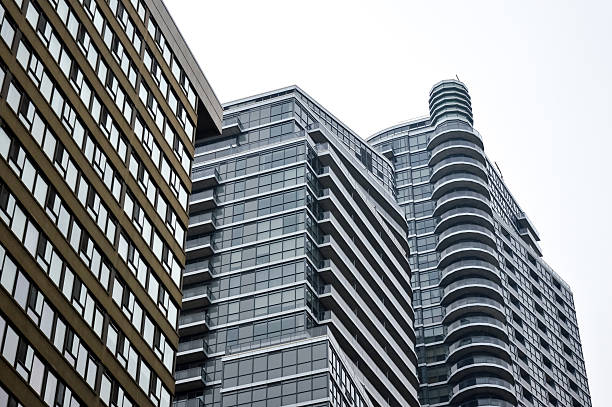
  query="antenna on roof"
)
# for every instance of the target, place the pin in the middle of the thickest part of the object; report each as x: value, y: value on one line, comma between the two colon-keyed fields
x: 499, y: 169
x: 457, y: 76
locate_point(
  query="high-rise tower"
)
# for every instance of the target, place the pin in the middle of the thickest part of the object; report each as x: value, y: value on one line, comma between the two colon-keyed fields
x: 297, y: 286
x: 101, y: 103
x: 495, y: 325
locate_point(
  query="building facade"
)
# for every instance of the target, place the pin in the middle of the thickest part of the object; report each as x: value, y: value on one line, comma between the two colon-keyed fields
x: 101, y: 104
x: 297, y: 285
x: 495, y: 325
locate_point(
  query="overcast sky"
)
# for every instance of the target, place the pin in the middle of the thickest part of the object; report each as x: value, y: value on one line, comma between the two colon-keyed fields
x: 539, y: 77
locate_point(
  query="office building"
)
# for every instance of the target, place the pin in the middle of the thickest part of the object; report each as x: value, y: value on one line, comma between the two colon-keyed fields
x: 297, y: 284
x: 495, y: 325
x: 101, y: 104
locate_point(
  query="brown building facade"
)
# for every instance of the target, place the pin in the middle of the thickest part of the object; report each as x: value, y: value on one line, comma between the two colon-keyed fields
x: 101, y: 105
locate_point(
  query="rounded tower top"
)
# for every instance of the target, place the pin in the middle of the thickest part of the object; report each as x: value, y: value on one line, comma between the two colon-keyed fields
x: 449, y: 100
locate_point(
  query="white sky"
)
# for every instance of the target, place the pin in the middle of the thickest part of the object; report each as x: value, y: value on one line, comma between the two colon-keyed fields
x: 538, y: 74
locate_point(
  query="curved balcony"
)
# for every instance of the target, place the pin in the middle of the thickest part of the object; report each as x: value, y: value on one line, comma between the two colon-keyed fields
x: 467, y: 249
x: 476, y: 286
x: 486, y: 385
x: 453, y: 129
x: 475, y: 324
x: 463, y: 215
x: 454, y: 164
x: 486, y: 402
x: 478, y: 344
x: 465, y: 231
x: 469, y: 268
x: 480, y: 364
x: 450, y: 96
x: 460, y: 180
x: 471, y: 305
x: 462, y: 198
x: 448, y: 85
x: 456, y: 147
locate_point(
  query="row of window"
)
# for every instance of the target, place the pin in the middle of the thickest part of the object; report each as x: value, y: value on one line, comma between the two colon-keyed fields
x: 61, y: 216
x: 47, y: 256
x: 275, y: 365
x: 31, y: 119
x: 91, y: 101
x: 343, y: 392
x: 56, y: 329
x: 115, y: 46
x: 34, y: 370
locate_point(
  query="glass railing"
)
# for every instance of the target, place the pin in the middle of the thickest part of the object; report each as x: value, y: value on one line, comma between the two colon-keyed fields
x: 476, y: 360
x: 474, y: 320
x: 189, y: 318
x: 197, y: 291
x: 200, y: 241
x: 464, y: 264
x: 203, y: 217
x: 486, y: 402
x: 456, y: 143
x: 473, y: 301
x: 188, y: 403
x: 475, y: 340
x: 458, y: 176
x: 458, y: 160
x: 190, y: 373
x: 467, y: 246
x: 466, y: 228
x: 476, y: 381
x: 202, y: 195
x: 199, y: 266
x: 454, y: 125
x: 461, y: 194
x: 262, y: 343
x: 464, y: 211
x: 193, y: 344
x: 200, y: 173
x: 469, y: 282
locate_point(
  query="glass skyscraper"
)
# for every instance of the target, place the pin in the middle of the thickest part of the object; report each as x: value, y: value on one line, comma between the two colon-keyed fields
x: 297, y: 284
x: 101, y: 104
x: 495, y: 325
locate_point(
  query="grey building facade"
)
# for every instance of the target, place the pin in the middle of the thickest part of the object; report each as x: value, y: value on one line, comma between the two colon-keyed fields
x: 297, y: 284
x: 101, y: 104
x: 495, y: 325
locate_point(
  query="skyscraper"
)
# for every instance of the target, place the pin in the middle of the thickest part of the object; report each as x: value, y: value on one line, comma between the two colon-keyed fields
x: 495, y: 325
x: 101, y: 103
x: 297, y: 284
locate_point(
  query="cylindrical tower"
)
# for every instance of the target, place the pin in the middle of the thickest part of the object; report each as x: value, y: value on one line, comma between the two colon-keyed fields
x: 478, y: 354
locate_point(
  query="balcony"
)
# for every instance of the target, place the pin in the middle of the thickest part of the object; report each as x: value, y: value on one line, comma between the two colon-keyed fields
x: 455, y: 164
x: 471, y: 267
x: 202, y: 223
x: 478, y: 344
x: 315, y: 332
x: 452, y: 130
x: 471, y: 305
x: 196, y: 297
x: 466, y: 231
x: 192, y: 350
x: 197, y: 272
x: 232, y: 126
x: 463, y: 215
x: 188, y: 403
x: 475, y: 286
x: 202, y: 246
x: 189, y: 379
x: 462, y: 198
x: 467, y: 249
x: 459, y: 180
x: 193, y: 323
x: 203, y: 200
x: 482, y: 365
x: 205, y: 177
x: 486, y: 402
x: 475, y: 324
x: 486, y: 385
x: 456, y: 147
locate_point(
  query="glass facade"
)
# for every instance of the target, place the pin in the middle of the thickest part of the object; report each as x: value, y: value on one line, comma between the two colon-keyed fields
x: 297, y: 284
x: 99, y: 119
x: 495, y: 325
